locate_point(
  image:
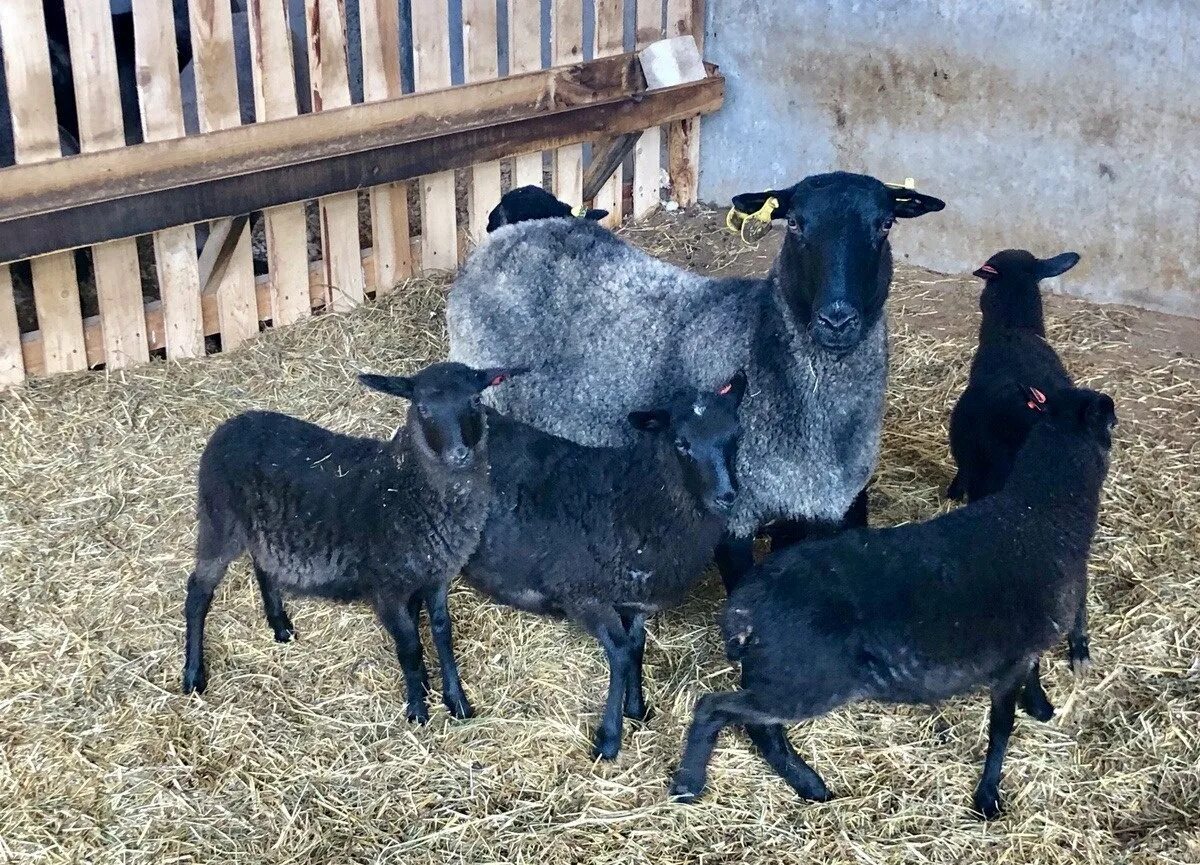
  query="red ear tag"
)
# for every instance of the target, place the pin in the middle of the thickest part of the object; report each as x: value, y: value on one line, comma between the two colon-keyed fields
x: 497, y: 380
x: 987, y: 268
x: 1038, y: 400
x: 724, y: 389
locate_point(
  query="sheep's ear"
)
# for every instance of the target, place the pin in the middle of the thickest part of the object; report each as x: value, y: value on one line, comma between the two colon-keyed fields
x: 495, y: 375
x: 908, y: 203
x: 1056, y: 266
x: 1099, y: 414
x: 735, y: 388
x: 752, y: 202
x: 395, y: 385
x: 652, y: 420
x: 595, y: 215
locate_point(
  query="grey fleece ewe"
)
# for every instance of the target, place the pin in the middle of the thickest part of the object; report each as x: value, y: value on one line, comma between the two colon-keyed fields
x: 611, y: 329
x: 351, y: 519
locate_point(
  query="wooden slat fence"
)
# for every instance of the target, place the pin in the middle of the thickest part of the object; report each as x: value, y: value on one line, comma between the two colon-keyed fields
x: 127, y: 302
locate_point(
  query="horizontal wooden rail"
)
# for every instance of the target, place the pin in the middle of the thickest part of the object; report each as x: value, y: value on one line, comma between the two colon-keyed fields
x: 95, y: 197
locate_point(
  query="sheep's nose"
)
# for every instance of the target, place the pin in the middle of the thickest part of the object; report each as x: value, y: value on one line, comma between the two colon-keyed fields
x: 460, y: 455
x: 838, y: 317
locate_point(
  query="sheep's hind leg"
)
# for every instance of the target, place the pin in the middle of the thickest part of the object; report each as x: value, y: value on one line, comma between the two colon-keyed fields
x: 396, y: 614
x: 605, y: 625
x: 772, y: 742
x: 453, y: 695
x: 1000, y: 727
x: 201, y: 585
x: 1034, y: 701
x: 1078, y: 643
x: 272, y: 599
x: 635, y: 699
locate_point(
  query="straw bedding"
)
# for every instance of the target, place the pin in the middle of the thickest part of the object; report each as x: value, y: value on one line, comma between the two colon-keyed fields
x: 300, y: 752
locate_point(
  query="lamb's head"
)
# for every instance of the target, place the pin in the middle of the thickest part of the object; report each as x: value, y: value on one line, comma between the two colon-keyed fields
x: 835, y: 267
x: 704, y: 430
x: 1083, y: 413
x: 446, y: 418
x: 1011, y: 294
x: 531, y: 202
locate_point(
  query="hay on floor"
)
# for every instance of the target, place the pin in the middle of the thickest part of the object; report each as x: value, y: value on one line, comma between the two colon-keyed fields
x: 300, y: 752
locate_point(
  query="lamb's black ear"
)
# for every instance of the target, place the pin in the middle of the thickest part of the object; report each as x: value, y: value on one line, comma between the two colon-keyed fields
x: 595, y: 214
x: 735, y: 388
x: 908, y: 203
x: 651, y: 420
x: 495, y: 375
x: 1056, y: 266
x: 752, y: 202
x: 395, y: 385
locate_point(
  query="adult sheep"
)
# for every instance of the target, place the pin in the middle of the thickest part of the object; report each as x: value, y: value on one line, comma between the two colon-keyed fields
x: 608, y: 328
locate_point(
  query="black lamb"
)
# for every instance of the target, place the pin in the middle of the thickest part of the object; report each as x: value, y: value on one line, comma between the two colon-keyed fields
x: 351, y: 519
x: 527, y: 203
x: 609, y: 536
x: 1013, y: 366
x: 920, y: 612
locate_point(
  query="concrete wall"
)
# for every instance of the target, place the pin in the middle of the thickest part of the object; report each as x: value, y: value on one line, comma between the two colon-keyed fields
x: 1046, y: 124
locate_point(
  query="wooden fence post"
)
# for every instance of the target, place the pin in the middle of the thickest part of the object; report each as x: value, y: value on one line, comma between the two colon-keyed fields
x: 647, y: 153
x: 525, y: 55
x: 685, y: 17
x: 480, y: 63
x: 610, y: 39
x: 431, y: 68
x: 566, y: 46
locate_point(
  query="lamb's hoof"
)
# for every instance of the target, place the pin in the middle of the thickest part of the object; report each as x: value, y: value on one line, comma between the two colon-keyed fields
x: 459, y: 708
x: 195, y: 681
x: 1081, y: 664
x: 1037, y: 706
x: 987, y: 803
x: 606, y: 746
x: 418, y: 714
x: 817, y: 794
x: 285, y: 635
x: 685, y: 791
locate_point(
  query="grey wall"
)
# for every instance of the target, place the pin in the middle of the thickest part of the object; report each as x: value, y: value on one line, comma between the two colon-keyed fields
x: 1048, y: 124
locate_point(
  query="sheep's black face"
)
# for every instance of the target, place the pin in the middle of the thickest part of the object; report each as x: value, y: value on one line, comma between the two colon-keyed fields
x: 446, y: 411
x: 704, y: 431
x: 1082, y: 412
x: 836, y: 264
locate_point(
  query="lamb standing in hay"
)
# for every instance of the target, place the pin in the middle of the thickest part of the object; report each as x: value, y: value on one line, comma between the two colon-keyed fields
x: 611, y: 329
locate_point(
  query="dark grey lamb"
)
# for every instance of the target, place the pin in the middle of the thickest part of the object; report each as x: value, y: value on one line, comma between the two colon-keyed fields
x: 614, y: 329
x: 920, y: 612
x: 351, y: 519
x: 609, y: 536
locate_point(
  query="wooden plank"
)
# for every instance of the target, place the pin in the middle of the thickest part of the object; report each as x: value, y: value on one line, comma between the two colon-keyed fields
x: 98, y: 101
x: 480, y: 63
x: 525, y: 55
x: 685, y: 17
x: 218, y: 108
x: 431, y: 68
x: 389, y: 203
x: 162, y: 120
x: 607, y: 156
x: 12, y: 364
x: 91, y: 198
x: 566, y: 46
x: 330, y: 85
x: 285, y: 227
x: 609, y: 35
x: 647, y: 153
x: 35, y: 139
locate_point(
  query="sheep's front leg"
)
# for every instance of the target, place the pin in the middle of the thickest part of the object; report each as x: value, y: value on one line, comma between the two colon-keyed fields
x: 772, y: 742
x: 1078, y: 643
x: 635, y: 700
x: 605, y: 625
x: 713, y: 713
x: 395, y: 613
x: 453, y: 695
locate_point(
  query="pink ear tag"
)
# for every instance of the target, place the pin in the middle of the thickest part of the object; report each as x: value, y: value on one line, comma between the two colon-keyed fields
x: 497, y: 380
x: 725, y: 389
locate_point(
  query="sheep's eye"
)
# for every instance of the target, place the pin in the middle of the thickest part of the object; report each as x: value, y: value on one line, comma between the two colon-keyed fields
x: 886, y: 225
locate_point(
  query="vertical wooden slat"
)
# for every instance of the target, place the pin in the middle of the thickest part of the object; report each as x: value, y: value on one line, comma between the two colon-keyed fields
x: 480, y: 63
x: 162, y: 118
x: 566, y: 46
x: 610, y: 34
x: 98, y: 101
x: 389, y: 203
x: 431, y: 68
x: 685, y: 17
x: 330, y: 83
x: 35, y: 139
x: 647, y: 153
x: 12, y: 364
x: 274, y: 99
x: 525, y: 55
x: 217, y: 104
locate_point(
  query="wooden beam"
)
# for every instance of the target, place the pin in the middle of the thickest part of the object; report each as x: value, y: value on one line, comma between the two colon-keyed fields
x: 606, y: 159
x: 218, y: 249
x: 135, y: 190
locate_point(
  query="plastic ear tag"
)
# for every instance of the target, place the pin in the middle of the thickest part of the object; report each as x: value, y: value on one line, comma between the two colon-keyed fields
x: 725, y: 389
x: 498, y: 379
x: 1039, y: 399
x: 764, y: 215
x: 909, y: 183
x: 580, y: 211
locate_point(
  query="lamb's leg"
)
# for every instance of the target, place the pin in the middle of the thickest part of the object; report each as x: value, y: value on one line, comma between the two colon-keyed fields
x: 1034, y: 701
x: 605, y: 625
x: 1000, y: 726
x: 436, y: 600
x: 772, y: 742
x: 735, y: 558
x: 713, y: 713
x: 396, y: 614
x: 635, y: 700
x: 272, y: 599
x: 1078, y: 644
x: 201, y: 585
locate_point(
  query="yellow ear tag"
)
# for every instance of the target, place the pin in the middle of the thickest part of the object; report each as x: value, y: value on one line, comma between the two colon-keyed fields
x: 763, y: 214
x: 580, y: 211
x: 908, y: 183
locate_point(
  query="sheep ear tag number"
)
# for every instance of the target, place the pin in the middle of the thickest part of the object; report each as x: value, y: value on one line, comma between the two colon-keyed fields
x: 1037, y: 399
x: 763, y: 215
